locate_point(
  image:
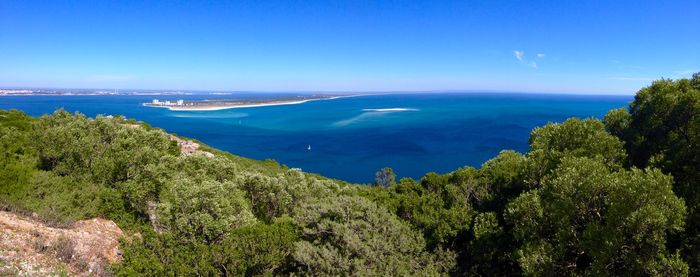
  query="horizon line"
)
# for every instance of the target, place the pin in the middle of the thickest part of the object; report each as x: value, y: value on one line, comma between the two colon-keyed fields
x: 371, y: 92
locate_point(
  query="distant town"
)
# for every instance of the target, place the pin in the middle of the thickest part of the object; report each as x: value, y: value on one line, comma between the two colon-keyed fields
x: 28, y: 91
x: 157, y: 102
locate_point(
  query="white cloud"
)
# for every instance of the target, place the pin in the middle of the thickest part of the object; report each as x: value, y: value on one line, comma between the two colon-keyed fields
x: 540, y: 55
x: 519, y: 55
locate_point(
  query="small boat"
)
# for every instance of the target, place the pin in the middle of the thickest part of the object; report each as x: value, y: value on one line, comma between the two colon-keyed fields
x: 309, y: 148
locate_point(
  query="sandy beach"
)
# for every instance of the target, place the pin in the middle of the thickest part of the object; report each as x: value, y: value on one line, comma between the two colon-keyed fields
x: 215, y: 107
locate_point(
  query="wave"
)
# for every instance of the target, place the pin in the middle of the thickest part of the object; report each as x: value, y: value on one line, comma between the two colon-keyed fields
x: 370, y: 113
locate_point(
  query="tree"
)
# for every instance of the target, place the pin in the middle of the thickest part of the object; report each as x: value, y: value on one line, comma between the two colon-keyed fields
x: 574, y: 137
x: 488, y: 248
x: 617, y: 122
x: 504, y: 178
x: 588, y: 220
x: 385, y: 177
x: 17, y: 157
x: 440, y: 205
x: 662, y: 129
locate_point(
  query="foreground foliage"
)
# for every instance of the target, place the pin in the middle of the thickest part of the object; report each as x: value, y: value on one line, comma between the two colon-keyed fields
x: 618, y: 197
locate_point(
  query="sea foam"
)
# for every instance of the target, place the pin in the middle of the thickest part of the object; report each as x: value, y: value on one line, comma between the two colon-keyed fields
x: 370, y: 113
x: 387, y: 110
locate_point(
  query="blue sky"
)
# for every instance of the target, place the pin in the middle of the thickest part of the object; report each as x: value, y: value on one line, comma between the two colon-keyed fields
x: 597, y: 47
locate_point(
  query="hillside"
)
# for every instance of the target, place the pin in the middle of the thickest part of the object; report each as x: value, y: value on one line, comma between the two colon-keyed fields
x: 591, y: 197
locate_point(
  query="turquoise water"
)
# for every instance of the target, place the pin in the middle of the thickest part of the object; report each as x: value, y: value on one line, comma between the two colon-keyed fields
x: 351, y: 138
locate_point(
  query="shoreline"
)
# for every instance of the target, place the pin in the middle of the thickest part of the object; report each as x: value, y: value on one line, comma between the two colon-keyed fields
x: 240, y: 106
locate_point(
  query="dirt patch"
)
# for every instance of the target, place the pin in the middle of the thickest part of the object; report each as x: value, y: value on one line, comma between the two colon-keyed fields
x: 189, y: 148
x: 29, y: 247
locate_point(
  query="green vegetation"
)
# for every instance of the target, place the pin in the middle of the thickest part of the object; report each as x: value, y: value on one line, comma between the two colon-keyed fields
x: 617, y: 197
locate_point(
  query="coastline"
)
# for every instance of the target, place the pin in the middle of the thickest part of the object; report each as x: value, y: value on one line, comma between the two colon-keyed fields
x: 239, y: 106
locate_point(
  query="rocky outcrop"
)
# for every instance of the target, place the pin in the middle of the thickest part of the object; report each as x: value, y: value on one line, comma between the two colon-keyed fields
x: 30, y: 248
x: 188, y: 147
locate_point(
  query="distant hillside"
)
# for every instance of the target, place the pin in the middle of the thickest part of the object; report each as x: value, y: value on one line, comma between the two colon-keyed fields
x: 617, y: 197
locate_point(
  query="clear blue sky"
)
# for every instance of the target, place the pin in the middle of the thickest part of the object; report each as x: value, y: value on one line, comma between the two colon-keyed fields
x: 536, y: 46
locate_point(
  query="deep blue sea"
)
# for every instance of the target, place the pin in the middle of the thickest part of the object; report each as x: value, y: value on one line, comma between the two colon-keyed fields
x: 351, y: 138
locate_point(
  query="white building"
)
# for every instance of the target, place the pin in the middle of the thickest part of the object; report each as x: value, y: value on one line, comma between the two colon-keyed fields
x: 156, y: 102
x: 180, y: 102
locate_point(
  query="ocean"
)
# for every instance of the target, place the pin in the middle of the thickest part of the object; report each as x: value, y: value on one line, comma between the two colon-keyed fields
x: 351, y: 138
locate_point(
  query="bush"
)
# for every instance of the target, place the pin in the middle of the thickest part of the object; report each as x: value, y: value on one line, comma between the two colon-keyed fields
x: 351, y: 236
x: 63, y: 248
x: 205, y: 211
